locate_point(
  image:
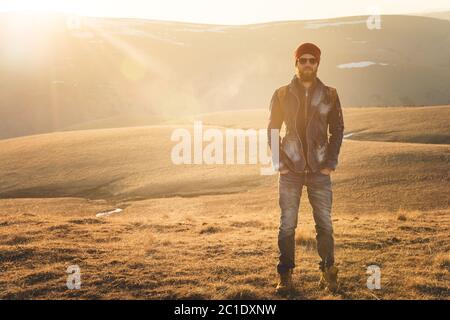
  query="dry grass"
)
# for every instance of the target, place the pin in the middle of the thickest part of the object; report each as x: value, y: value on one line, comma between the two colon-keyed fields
x: 211, y: 231
x: 307, y: 241
x: 443, y: 261
x: 183, y: 248
x: 402, y: 215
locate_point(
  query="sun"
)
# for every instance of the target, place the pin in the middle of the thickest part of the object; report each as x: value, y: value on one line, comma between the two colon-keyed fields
x: 26, y: 29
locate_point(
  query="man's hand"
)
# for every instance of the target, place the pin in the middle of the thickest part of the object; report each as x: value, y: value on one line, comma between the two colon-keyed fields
x: 284, y: 171
x: 326, y: 171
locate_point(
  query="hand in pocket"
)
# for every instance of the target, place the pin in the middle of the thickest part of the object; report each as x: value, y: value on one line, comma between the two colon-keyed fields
x: 326, y: 171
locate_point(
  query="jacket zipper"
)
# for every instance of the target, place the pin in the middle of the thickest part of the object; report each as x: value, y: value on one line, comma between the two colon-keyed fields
x: 296, y: 130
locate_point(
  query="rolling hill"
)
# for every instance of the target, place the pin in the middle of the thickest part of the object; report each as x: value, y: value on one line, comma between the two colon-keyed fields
x: 140, y: 227
x: 73, y: 71
x: 135, y: 162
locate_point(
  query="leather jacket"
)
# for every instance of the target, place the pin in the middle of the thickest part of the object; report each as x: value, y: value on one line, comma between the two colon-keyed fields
x: 322, y: 113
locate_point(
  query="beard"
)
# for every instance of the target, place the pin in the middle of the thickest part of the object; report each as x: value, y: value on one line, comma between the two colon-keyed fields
x: 307, y: 76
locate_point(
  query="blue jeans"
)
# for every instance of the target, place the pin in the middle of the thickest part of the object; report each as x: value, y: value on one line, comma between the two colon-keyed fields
x: 320, y: 196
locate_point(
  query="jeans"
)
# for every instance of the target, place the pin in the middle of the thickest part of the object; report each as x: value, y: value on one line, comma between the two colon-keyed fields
x: 320, y: 197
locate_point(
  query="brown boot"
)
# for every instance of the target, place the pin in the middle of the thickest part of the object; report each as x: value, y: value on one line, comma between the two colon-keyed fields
x: 329, y: 279
x: 285, y: 284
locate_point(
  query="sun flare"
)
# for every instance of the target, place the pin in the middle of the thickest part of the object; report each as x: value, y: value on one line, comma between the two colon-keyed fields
x: 42, y: 6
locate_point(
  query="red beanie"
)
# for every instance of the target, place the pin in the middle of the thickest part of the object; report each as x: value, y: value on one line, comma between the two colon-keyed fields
x: 307, y: 48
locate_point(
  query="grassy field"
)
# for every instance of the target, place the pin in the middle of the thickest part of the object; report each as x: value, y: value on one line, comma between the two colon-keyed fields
x: 210, y: 231
x: 428, y: 124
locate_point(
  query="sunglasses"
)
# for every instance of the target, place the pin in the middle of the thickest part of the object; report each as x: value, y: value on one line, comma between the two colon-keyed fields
x: 310, y: 60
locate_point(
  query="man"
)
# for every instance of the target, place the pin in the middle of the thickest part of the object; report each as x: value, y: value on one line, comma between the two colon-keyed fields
x: 307, y: 156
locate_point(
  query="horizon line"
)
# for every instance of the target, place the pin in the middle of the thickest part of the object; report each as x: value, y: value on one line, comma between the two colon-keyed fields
x: 55, y: 12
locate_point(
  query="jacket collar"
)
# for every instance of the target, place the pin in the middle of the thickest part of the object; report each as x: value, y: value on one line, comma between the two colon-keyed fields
x: 318, y: 93
x: 301, y: 88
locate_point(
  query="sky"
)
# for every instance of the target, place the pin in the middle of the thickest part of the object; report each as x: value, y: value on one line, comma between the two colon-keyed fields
x: 232, y: 12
